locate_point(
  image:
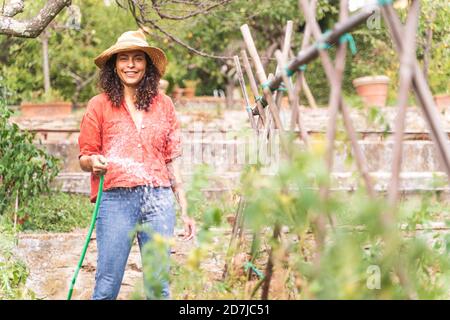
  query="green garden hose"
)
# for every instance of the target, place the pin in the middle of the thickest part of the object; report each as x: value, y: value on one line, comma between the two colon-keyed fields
x: 88, y: 238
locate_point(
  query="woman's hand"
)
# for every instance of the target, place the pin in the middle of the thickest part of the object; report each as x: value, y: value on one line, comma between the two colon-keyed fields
x: 177, y: 187
x: 98, y: 164
x: 188, y: 222
x: 189, y: 227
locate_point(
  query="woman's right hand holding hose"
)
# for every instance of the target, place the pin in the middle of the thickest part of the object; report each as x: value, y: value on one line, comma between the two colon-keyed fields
x: 98, y: 164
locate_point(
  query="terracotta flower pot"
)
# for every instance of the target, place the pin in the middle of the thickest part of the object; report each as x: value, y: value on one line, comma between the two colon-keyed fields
x: 373, y: 90
x: 442, y: 101
x: 21, y: 220
x: 177, y: 93
x: 189, y: 92
x: 46, y: 110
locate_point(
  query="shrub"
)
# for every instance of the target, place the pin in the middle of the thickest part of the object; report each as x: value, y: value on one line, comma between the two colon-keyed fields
x: 13, y: 272
x: 25, y: 169
x: 57, y: 212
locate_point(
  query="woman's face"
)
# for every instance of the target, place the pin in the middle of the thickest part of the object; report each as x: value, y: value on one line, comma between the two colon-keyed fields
x: 130, y: 66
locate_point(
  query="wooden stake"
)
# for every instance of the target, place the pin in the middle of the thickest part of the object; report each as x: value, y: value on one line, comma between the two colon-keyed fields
x: 335, y: 79
x: 305, y: 42
x: 16, y: 209
x: 422, y: 92
x: 406, y: 71
x: 308, y: 94
x: 292, y: 98
x: 269, y: 265
x: 285, y: 53
x: 260, y: 73
x: 244, y: 91
x: 312, y: 52
x: 253, y: 86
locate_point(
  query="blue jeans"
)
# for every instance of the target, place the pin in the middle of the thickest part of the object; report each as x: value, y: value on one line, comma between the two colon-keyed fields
x: 123, y: 212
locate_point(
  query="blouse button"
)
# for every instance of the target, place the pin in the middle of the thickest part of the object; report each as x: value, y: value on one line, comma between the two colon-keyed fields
x: 139, y: 145
x: 143, y: 126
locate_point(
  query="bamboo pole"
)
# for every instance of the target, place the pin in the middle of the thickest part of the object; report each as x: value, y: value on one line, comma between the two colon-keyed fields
x: 301, y: 82
x: 312, y: 52
x: 285, y: 53
x: 291, y: 96
x: 270, y: 264
x: 308, y: 94
x: 406, y: 72
x: 287, y: 41
x: 336, y: 101
x: 270, y: 122
x: 261, y: 75
x: 253, y: 86
x: 295, y: 105
x: 244, y: 91
x: 422, y: 92
x: 16, y: 209
x: 236, y: 236
x: 305, y: 42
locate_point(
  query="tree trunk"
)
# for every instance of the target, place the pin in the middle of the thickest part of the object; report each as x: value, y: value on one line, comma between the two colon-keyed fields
x: 80, y: 83
x: 32, y: 27
x: 16, y: 209
x: 229, y: 88
x: 427, y: 47
x: 268, y: 53
x: 45, y: 64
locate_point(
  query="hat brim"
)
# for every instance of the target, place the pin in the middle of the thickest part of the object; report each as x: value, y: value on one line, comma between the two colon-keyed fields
x: 157, y: 56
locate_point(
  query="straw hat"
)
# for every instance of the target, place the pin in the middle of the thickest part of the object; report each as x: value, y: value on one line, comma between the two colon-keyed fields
x: 134, y: 40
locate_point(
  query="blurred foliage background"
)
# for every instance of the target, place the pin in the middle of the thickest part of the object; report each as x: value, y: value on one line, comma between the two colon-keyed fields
x: 72, y: 50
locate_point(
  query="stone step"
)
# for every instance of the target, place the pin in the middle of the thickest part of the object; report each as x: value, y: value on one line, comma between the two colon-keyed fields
x: 410, y: 182
x: 366, y: 119
x: 369, y: 123
x: 225, y: 156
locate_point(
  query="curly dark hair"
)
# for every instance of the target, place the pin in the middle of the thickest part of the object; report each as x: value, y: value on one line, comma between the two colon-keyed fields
x: 110, y: 83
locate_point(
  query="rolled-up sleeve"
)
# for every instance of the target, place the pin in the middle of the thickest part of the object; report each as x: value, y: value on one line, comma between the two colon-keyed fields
x: 173, y: 145
x: 89, y: 140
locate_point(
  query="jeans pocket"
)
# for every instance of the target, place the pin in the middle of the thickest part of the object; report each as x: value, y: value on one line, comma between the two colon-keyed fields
x: 158, y: 205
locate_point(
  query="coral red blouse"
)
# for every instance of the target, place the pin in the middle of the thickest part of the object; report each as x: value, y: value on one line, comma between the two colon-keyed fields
x: 134, y: 158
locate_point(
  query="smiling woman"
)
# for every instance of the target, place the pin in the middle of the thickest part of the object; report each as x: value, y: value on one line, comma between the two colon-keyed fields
x: 138, y: 74
x: 130, y: 67
x: 131, y: 135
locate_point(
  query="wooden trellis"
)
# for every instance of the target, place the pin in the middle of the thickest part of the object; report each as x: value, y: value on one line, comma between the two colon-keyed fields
x: 268, y: 96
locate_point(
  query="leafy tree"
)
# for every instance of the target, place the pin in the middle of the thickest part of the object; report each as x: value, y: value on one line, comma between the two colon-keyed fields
x: 71, y: 53
x: 377, y: 55
x: 11, y: 22
x: 433, y: 44
x: 218, y: 34
x: 215, y: 33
